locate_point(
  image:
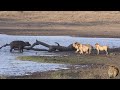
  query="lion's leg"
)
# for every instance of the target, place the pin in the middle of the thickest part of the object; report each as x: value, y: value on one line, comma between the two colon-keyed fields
x: 106, y: 52
x: 97, y: 52
x: 81, y: 51
x: 76, y: 50
x: 89, y: 51
x: 86, y: 52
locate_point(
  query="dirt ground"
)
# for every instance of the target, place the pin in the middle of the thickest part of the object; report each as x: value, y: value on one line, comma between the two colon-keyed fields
x: 73, y: 23
x: 97, y: 67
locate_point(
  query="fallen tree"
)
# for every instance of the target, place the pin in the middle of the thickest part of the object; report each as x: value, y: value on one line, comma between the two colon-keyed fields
x: 51, y: 48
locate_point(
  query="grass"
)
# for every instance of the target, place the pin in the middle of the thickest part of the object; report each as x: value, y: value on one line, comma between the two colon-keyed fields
x: 78, y: 59
x: 97, y: 71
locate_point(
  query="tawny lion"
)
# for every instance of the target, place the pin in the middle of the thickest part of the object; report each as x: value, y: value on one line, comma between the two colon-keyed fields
x: 82, y: 48
x: 101, y: 48
x: 90, y: 47
x: 113, y: 71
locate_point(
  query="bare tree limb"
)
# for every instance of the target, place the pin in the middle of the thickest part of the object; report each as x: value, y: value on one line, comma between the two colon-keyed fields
x: 50, y: 47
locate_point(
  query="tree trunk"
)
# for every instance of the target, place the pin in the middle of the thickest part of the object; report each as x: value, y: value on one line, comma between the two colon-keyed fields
x: 35, y: 49
x: 50, y: 47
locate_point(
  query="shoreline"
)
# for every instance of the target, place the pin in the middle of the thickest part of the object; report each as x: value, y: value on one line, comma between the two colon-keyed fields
x: 73, y: 33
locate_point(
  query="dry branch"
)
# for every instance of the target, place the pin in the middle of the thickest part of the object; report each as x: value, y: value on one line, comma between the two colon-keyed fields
x: 51, y: 48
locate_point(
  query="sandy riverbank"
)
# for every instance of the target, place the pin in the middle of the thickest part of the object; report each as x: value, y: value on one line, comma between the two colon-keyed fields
x: 73, y: 23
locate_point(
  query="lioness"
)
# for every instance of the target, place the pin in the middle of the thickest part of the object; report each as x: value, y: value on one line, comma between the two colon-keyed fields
x: 112, y: 71
x: 101, y: 48
x: 82, y: 48
x: 76, y: 46
x: 90, y: 47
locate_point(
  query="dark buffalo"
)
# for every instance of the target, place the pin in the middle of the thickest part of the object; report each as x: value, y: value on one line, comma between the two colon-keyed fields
x: 18, y: 45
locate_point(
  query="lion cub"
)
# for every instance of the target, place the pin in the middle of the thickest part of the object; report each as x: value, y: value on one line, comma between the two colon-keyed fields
x: 113, y: 71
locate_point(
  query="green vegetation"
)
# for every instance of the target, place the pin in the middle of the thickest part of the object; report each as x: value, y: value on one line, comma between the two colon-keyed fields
x: 97, y: 71
x: 78, y: 59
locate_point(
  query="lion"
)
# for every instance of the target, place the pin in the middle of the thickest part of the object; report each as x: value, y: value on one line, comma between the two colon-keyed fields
x: 90, y: 47
x: 76, y: 46
x: 81, y: 48
x: 112, y: 71
x: 101, y: 48
x: 84, y: 48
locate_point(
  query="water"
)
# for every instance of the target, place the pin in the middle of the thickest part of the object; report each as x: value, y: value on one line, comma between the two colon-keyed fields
x: 9, y: 66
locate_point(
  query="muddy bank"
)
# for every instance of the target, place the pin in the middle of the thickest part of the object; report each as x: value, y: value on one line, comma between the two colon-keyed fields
x: 63, y: 32
x: 72, y: 23
x: 74, y: 72
x: 81, y: 67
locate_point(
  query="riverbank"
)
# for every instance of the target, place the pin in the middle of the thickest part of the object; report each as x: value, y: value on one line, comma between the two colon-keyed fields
x: 56, y: 23
x: 82, y: 66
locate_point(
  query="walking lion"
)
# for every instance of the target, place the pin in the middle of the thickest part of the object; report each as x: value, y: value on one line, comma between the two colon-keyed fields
x: 101, y: 48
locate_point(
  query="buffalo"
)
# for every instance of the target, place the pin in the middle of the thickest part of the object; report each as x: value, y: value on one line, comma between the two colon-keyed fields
x: 18, y: 45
